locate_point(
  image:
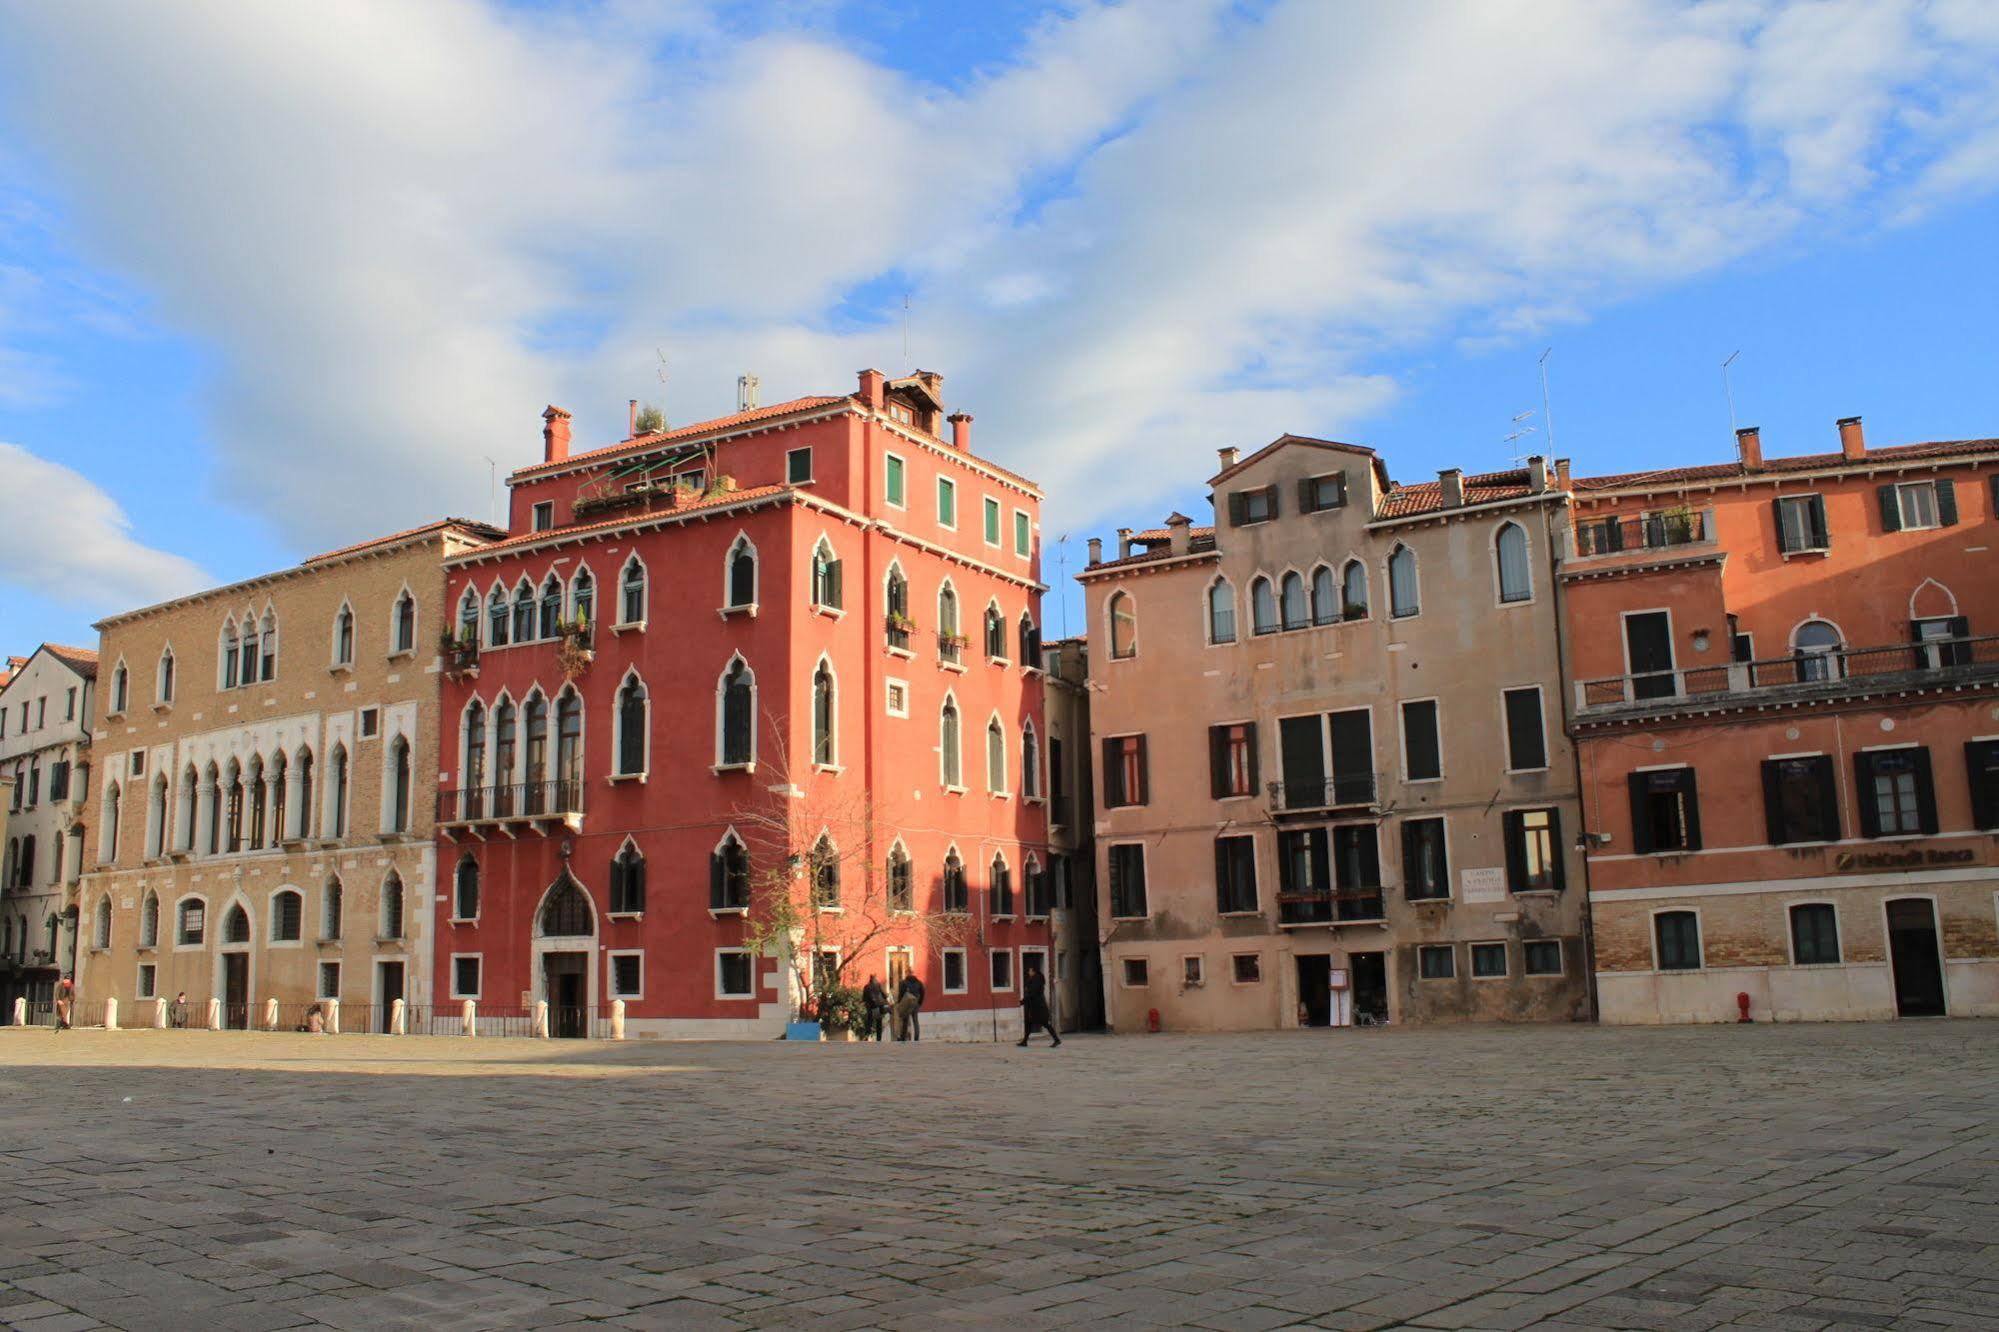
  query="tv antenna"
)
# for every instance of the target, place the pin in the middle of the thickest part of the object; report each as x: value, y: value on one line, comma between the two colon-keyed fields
x: 492, y: 491
x: 905, y: 329
x: 661, y: 353
x: 1061, y: 578
x: 1547, y: 404
x: 1727, y: 390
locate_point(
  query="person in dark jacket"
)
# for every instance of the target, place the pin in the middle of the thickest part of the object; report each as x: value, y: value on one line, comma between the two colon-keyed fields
x: 908, y: 1002
x: 1034, y: 1006
x: 874, y: 998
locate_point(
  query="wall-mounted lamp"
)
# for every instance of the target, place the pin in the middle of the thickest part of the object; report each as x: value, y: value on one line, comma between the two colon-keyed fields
x: 1700, y: 640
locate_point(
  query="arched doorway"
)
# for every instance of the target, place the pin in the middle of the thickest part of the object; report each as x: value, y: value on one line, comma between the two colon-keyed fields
x: 565, y: 928
x: 235, y: 978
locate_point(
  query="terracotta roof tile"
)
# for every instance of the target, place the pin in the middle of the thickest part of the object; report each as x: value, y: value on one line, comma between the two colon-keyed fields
x: 632, y: 519
x: 1406, y: 501
x: 1202, y: 544
x: 1163, y: 533
x: 645, y: 443
x: 470, y: 527
x: 81, y: 660
x: 1805, y: 462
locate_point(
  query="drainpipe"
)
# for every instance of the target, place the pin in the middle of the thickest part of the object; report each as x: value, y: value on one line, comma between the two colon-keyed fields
x: 1554, y: 518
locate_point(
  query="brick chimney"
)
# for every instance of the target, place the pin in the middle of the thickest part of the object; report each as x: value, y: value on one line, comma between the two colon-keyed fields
x: 1749, y: 444
x: 1123, y: 542
x: 1852, y: 444
x: 1562, y: 474
x: 1451, y: 485
x: 1096, y: 550
x: 1537, y: 475
x: 631, y: 418
x: 554, y: 434
x: 1227, y: 456
x: 871, y: 388
x: 1179, y: 532
x: 961, y: 431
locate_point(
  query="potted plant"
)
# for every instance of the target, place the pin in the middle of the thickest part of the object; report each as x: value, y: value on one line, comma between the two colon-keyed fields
x: 841, y: 1013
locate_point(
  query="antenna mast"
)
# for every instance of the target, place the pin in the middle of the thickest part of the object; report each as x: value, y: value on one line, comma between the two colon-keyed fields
x: 905, y: 328
x: 661, y: 353
x: 1727, y: 390
x: 1547, y: 405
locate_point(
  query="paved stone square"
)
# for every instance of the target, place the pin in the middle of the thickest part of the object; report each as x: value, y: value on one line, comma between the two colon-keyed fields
x: 1781, y: 1177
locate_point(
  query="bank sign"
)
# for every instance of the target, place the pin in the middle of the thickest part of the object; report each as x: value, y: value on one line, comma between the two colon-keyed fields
x: 1854, y: 862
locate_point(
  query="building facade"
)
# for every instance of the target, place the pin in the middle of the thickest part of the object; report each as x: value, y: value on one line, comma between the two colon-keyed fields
x: 260, y: 817
x: 1332, y: 783
x: 45, y: 716
x: 744, y: 712
x: 1787, y: 715
x: 1077, y: 988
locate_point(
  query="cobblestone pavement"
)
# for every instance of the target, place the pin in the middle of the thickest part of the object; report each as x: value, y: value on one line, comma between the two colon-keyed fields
x: 1782, y: 1177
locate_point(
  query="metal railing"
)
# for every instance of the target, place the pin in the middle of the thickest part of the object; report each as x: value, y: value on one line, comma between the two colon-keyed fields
x: 1336, y: 792
x: 1651, y: 531
x: 1325, y: 906
x: 513, y: 800
x: 1806, y: 675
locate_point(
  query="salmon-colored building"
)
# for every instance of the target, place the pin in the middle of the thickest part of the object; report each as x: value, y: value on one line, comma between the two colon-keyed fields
x: 1786, y: 711
x: 743, y: 706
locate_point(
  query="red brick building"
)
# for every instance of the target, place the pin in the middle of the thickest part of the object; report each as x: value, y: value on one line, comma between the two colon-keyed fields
x: 1786, y: 712
x: 735, y: 695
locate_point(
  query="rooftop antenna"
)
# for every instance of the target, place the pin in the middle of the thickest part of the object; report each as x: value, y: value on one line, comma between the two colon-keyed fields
x: 1061, y: 579
x: 905, y: 328
x: 1520, y: 432
x: 492, y: 491
x: 661, y: 353
x: 1727, y: 390
x: 1547, y: 405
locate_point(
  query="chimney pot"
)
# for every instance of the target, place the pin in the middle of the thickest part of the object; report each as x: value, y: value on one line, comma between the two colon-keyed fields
x: 631, y: 418
x: 554, y: 434
x: 1123, y: 542
x: 1227, y: 456
x: 1537, y: 474
x: 1179, y: 533
x: 961, y: 431
x: 1852, y: 443
x: 1451, y: 484
x: 872, y: 383
x: 1749, y: 445
x: 1096, y: 550
x: 1561, y: 473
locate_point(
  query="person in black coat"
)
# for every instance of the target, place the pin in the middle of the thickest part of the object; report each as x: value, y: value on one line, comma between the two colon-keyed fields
x: 874, y: 998
x: 1034, y: 1006
x: 908, y: 1003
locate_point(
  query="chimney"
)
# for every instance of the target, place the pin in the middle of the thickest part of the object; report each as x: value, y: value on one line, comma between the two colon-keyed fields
x: 870, y: 393
x: 631, y: 418
x: 1852, y: 444
x: 1179, y: 533
x: 1562, y: 474
x: 1123, y: 542
x: 1096, y: 550
x: 1749, y: 445
x: 1451, y: 485
x: 961, y: 431
x: 1227, y: 456
x: 554, y: 434
x: 1537, y: 474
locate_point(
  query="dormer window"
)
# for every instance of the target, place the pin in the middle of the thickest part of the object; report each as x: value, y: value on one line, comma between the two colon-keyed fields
x: 1319, y: 493
x: 1252, y: 506
x: 902, y: 413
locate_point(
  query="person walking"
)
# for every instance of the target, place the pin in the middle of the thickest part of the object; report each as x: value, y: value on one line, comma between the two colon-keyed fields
x: 65, y: 998
x: 1034, y: 1007
x: 177, y: 1010
x: 908, y: 1003
x: 874, y: 1000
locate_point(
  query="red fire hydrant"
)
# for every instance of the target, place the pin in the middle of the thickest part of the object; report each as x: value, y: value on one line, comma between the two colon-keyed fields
x: 1742, y: 1006
x: 1152, y: 1020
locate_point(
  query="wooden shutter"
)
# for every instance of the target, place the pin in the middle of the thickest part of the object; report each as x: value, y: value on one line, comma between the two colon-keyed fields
x: 1305, y: 493
x: 1891, y: 508
x: 1946, y: 503
x: 1691, y: 790
x: 1235, y: 508
x: 1773, y: 786
x: 1340, y: 489
x: 1218, y: 762
x: 1783, y: 537
x: 1863, y: 789
x: 1222, y: 894
x: 1828, y: 798
x: 1821, y: 534
x: 1255, y: 772
x: 1641, y: 822
x: 1143, y: 795
x: 717, y: 880
x: 1558, y: 854
x: 1926, y: 796
x: 1981, y: 764
x: 1516, y: 851
x: 1272, y: 492
x: 833, y: 596
x: 1113, y: 775
x: 1408, y: 857
x: 1318, y: 841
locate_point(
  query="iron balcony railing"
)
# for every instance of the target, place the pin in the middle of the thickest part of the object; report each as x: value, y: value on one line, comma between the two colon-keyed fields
x: 1806, y: 675
x: 1325, y: 906
x: 513, y: 800
x: 1651, y: 531
x: 1340, y: 791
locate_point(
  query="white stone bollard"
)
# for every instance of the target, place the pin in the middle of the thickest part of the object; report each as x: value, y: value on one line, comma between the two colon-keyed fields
x: 215, y: 1015
x: 332, y: 1017
x: 21, y: 1012
x: 468, y: 1018
x: 617, y: 1019
x: 541, y: 1017
x: 110, y: 1015
x: 396, y: 1017
x: 270, y: 1015
x: 159, y: 1012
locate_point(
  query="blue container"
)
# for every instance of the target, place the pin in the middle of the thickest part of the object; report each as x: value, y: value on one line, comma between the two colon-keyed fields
x: 801, y: 1031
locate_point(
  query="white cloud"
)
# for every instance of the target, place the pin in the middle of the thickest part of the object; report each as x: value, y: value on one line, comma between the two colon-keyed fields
x: 62, y: 537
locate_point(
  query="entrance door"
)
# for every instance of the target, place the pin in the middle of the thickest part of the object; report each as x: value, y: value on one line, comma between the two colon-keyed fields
x: 1912, y: 947
x: 236, y: 991
x: 1648, y: 642
x: 565, y: 980
x: 390, y: 976
x: 898, y: 968
x: 1370, y: 987
x: 1315, y: 990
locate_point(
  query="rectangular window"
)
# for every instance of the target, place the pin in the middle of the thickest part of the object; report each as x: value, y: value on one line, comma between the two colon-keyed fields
x: 1541, y: 957
x: 1124, y: 771
x: 1246, y: 968
x: 1981, y: 765
x: 1665, y: 811
x: 543, y: 515
x: 1526, y: 734
x: 371, y: 722
x: 1252, y: 506
x: 138, y: 763
x: 628, y: 975
x: 1801, y: 523
x: 1232, y: 760
x: 192, y: 922
x: 69, y: 705
x: 1422, y: 757
x: 1915, y: 506
x: 1316, y: 494
x: 1678, y: 934
x: 798, y: 466
x: 1800, y: 800
x: 1135, y: 973
x: 1940, y: 642
x: 147, y: 973
x: 1894, y: 791
x: 1357, y: 871
x: 947, y: 502
x: 898, y: 698
x: 464, y: 978
x: 1436, y: 962
x: 1002, y: 965
x: 1814, y: 934
x: 1127, y: 870
x: 733, y: 975
x: 1193, y: 971
x: 1425, y: 874
x: 893, y: 481
x: 1533, y: 850
x: 329, y: 980
x: 1488, y: 960
x: 954, y: 971
x: 1235, y: 874
x: 1023, y: 534
x: 992, y: 515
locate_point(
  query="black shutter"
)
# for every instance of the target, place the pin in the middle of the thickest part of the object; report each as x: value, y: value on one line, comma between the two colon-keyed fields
x: 1821, y: 534
x: 1691, y: 791
x: 1249, y: 729
x: 1891, y: 508
x: 1783, y: 538
x: 717, y: 876
x: 1863, y: 790
x: 1408, y: 857
x: 1223, y: 897
x: 1516, y: 851
x: 1218, y: 762
x: 1995, y: 492
x: 1116, y: 877
x: 1926, y: 795
x: 1558, y: 854
x: 1946, y: 503
x: 1340, y: 489
x: 833, y: 594
x: 1235, y: 508
x: 1773, y: 814
x: 1272, y: 492
x: 1144, y: 792
x: 1828, y: 798
x: 1641, y: 824
x: 1113, y: 776
x: 635, y: 885
x: 1981, y: 765
x: 1305, y: 504
x: 1322, y: 866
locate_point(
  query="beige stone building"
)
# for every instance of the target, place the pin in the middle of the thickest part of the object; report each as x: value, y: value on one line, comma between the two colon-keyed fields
x: 260, y: 814
x: 1333, y: 784
x: 1077, y: 987
x: 46, y: 705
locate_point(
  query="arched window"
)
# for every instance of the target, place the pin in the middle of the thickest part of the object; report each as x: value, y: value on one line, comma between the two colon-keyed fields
x: 729, y: 875
x: 631, y: 727
x: 496, y: 618
x: 742, y: 573
x: 950, y: 642
x: 121, y: 688
x: 628, y: 881
x: 901, y: 880
x: 825, y: 576
x: 302, y: 802
x: 190, y: 791
x: 736, y: 708
x: 404, y: 636
x: 534, y: 746
x: 523, y: 612
x: 465, y: 890
x: 550, y: 609
x: 331, y: 910
x: 108, y: 842
x: 102, y: 938
x: 337, y: 824
x: 956, y: 897
x: 569, y: 743
x: 392, y: 906
x: 1030, y: 762
x: 995, y: 757
x: 164, y: 685
x: 895, y: 595
x: 236, y: 925
x: 1002, y: 886
x: 1816, y: 645
x: 232, y: 813
x: 468, y: 617
x: 1353, y: 591
x: 1123, y: 625
x: 343, y: 636
x: 473, y: 779
x: 247, y: 657
x: 582, y: 597
x: 1404, y: 599
x: 231, y: 646
x: 1515, y: 582
x: 258, y: 796
x: 287, y: 917
x: 825, y: 869
x: 995, y: 633
x: 149, y: 921
x: 504, y: 775
x: 399, y: 785
x: 267, y: 647
x: 1296, y: 614
x: 279, y: 781
x: 1221, y: 612
x: 950, y: 760
x: 1030, y: 642
x: 632, y: 592
x: 824, y: 750
x: 1325, y: 597
x: 212, y: 793
x: 1262, y: 606
x: 190, y: 921
x: 156, y: 818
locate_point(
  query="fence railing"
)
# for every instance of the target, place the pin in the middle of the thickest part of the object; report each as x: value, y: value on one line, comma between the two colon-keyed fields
x: 452, y: 1017
x: 512, y: 800
x: 1325, y: 906
x: 1829, y: 673
x: 1652, y: 531
x: 1335, y: 792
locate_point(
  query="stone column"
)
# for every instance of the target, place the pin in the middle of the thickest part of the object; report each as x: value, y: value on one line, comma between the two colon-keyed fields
x: 270, y: 1015
x: 541, y: 1017
x: 110, y: 1015
x: 468, y: 1018
x: 617, y: 1019
x: 397, y: 1016
x: 215, y: 1015
x: 333, y: 1017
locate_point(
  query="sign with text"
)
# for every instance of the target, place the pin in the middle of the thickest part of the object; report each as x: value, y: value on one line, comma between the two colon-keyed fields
x: 1483, y: 885
x: 1855, y: 862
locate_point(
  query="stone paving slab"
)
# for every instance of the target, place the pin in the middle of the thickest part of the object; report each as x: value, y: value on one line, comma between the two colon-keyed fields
x: 1782, y: 1177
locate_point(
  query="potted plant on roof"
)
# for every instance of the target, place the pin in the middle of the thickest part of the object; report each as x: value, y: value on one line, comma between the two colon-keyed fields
x: 574, y: 653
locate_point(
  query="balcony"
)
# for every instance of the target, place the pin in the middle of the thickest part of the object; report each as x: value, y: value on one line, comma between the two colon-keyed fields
x: 1802, y: 678
x: 1353, y: 790
x: 461, y: 654
x: 515, y: 802
x: 1602, y: 537
x: 1321, y: 906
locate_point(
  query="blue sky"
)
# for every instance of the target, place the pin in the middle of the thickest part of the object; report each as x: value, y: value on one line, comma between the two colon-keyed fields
x: 275, y: 285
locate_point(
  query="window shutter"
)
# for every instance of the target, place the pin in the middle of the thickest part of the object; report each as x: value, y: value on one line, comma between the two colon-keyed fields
x: 1255, y: 772
x: 717, y: 889
x: 1143, y: 795
x: 1218, y: 761
x: 1113, y: 775
x: 1821, y: 534
x: 1926, y: 796
x: 1222, y: 895
x: 1516, y: 851
x: 1235, y: 508
x: 1946, y: 503
x: 635, y: 885
x: 1981, y: 761
x: 1783, y: 537
x: 1340, y: 489
x: 1773, y: 785
x: 1995, y: 492
x: 1322, y: 868
x: 1116, y: 876
x: 1828, y: 798
x: 1691, y: 788
x: 1557, y: 852
x: 1408, y: 857
x: 1891, y: 508
x: 1305, y: 504
x: 1863, y: 789
x: 1641, y: 826
x: 833, y: 598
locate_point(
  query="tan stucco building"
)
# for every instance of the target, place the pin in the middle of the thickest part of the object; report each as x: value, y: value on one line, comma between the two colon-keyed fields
x: 1332, y: 779
x: 262, y: 804
x: 46, y: 704
x: 1076, y: 990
